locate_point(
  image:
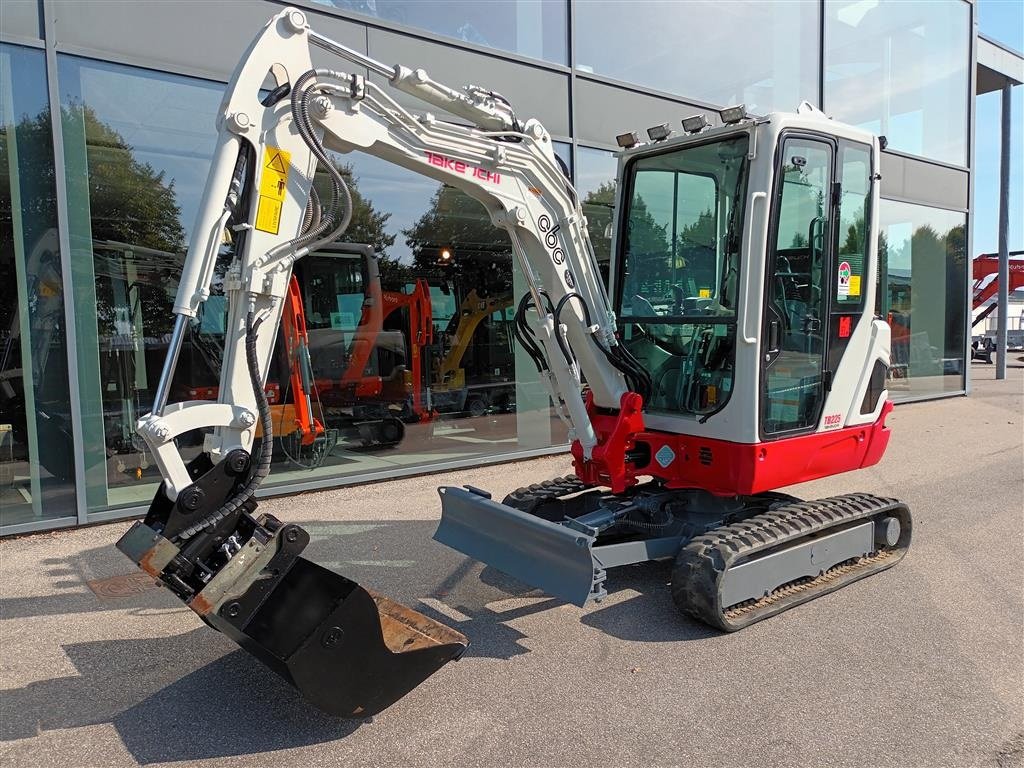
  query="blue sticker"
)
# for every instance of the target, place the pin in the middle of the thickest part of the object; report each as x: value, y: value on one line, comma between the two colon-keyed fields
x: 665, y: 456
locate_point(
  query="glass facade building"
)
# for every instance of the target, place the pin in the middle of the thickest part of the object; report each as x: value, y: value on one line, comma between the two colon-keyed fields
x: 107, y: 114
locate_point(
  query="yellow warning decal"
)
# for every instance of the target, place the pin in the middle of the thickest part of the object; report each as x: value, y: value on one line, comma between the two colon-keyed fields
x: 273, y: 183
x: 705, y: 293
x: 855, y: 285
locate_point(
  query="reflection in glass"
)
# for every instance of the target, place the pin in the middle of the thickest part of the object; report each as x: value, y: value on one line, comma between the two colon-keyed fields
x: 761, y: 54
x: 595, y: 182
x: 411, y: 359
x: 854, y: 219
x: 534, y: 28
x: 899, y: 68
x: 36, y: 443
x: 922, y: 283
x: 137, y: 148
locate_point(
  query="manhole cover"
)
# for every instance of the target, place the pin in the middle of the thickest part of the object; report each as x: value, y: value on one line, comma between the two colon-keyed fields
x: 125, y: 585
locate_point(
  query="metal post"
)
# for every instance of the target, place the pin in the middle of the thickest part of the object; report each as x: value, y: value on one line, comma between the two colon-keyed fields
x: 1004, y: 229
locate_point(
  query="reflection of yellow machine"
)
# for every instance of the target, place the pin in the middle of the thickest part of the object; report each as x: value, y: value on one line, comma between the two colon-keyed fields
x: 474, y: 309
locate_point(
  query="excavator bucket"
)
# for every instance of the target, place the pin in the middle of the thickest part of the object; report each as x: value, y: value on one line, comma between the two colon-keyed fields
x: 348, y: 651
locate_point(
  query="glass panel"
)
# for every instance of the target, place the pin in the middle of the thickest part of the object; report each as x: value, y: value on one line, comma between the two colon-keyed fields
x: 900, y: 68
x: 922, y: 282
x: 433, y: 376
x: 792, y: 381
x: 36, y: 444
x: 534, y: 28
x: 699, y: 49
x: 444, y: 379
x: 854, y: 218
x: 137, y: 147
x: 595, y: 183
x: 680, y: 264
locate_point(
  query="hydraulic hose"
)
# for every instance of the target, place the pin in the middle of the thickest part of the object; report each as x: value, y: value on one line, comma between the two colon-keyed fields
x: 318, y: 227
x: 261, y: 466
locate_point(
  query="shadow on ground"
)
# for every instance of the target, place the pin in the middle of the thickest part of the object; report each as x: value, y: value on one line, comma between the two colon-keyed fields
x: 230, y: 705
x: 195, y: 695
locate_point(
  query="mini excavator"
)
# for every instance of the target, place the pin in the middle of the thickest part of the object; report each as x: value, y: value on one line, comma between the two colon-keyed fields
x: 734, y: 353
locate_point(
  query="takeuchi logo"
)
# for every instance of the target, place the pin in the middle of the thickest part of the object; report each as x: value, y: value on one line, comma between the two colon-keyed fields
x: 465, y: 169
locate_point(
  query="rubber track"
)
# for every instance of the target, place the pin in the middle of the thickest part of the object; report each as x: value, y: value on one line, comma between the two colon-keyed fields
x: 704, y: 561
x: 530, y: 497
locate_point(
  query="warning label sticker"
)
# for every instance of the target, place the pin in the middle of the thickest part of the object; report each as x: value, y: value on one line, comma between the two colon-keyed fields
x: 855, y: 285
x: 273, y: 183
x: 844, y: 279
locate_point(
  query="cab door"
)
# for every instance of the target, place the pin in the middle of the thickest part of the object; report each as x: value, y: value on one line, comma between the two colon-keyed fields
x: 794, y: 336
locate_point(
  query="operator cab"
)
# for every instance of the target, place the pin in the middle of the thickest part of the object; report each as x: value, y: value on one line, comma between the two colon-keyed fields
x: 688, y: 234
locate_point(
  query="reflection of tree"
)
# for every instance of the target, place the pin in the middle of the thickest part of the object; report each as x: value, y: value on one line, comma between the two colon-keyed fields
x: 130, y: 202
x: 481, y: 253
x: 648, y: 246
x: 853, y: 244
x: 38, y: 206
x: 946, y: 253
x: 598, y: 207
x: 368, y: 225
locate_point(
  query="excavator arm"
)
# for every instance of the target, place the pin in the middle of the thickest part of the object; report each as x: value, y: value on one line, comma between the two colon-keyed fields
x: 348, y: 650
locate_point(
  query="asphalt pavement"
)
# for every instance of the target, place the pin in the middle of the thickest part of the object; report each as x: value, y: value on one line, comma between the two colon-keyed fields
x: 921, y: 665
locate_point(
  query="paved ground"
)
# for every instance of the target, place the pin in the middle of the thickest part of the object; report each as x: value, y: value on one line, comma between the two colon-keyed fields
x: 918, y: 666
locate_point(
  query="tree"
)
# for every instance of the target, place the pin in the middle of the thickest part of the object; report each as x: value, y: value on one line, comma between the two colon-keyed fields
x: 368, y: 225
x: 481, y: 254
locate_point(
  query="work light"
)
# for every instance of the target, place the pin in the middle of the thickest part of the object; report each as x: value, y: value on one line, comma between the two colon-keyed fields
x: 659, y: 132
x: 732, y: 114
x: 695, y: 124
x: 627, y: 140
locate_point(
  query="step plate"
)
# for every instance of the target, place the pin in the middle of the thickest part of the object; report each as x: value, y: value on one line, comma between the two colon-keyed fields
x: 546, y: 555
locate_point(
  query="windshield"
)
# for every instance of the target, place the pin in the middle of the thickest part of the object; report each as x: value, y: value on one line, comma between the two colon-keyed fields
x: 679, y: 270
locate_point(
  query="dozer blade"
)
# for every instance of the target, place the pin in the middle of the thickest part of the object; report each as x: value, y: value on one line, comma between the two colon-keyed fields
x: 347, y: 650
x: 546, y: 555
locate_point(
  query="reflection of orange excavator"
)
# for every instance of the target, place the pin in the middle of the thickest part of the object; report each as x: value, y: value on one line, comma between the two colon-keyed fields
x: 296, y: 343
x: 385, y: 358
x: 419, y: 338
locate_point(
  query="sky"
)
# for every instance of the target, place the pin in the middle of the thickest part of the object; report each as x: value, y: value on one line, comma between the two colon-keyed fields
x: 1003, y: 21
